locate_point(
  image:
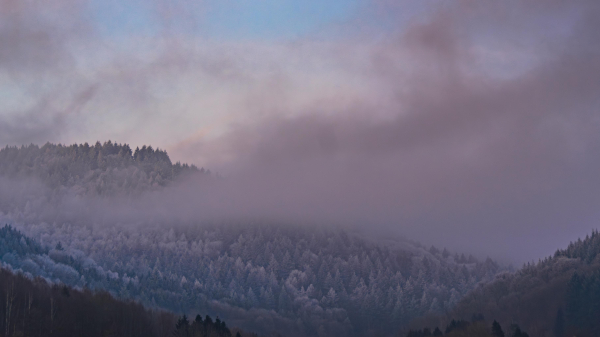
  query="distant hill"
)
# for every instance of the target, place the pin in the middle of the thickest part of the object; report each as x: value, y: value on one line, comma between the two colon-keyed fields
x: 100, y: 169
x: 33, y: 307
x: 558, y: 296
x: 297, y: 280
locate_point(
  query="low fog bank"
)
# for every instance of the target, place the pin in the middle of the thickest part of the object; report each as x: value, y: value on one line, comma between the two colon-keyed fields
x: 471, y: 225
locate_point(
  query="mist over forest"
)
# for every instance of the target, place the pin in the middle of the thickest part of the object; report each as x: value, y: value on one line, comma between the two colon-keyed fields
x: 261, y: 275
x: 103, y: 218
x: 435, y: 121
x: 299, y: 168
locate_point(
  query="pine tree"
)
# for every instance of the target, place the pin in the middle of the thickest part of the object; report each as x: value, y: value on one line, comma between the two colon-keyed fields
x: 497, y: 329
x: 559, y: 324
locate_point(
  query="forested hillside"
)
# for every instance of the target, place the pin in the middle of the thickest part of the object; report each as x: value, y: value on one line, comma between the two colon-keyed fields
x: 45, y: 306
x: 476, y: 327
x: 558, y: 296
x: 37, y: 308
x: 261, y: 277
x: 267, y: 277
x: 100, y: 169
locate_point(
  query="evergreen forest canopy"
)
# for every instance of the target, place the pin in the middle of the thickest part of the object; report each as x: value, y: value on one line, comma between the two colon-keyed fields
x: 101, y: 169
x: 34, y: 307
x: 300, y: 280
x: 266, y: 277
x: 477, y: 327
x: 559, y: 296
x: 263, y: 278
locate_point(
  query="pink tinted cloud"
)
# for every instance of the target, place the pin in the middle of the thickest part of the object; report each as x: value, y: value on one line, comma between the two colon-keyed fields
x: 463, y: 156
x: 440, y: 145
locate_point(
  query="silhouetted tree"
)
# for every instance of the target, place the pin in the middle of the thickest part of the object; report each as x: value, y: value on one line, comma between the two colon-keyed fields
x: 559, y: 324
x: 516, y: 331
x: 456, y: 325
x: 182, y: 327
x: 497, y: 329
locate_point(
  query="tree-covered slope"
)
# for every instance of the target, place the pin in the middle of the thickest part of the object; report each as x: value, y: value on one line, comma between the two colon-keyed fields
x: 104, y: 169
x: 477, y: 327
x: 300, y: 280
x: 558, y: 296
x: 33, y: 307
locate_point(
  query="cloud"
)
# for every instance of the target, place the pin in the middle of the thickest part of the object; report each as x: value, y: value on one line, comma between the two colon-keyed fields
x: 472, y: 125
x: 460, y: 154
x: 35, y: 60
x: 34, y: 35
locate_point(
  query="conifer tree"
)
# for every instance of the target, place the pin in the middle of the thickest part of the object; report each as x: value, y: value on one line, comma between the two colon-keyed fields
x: 497, y: 329
x: 559, y: 324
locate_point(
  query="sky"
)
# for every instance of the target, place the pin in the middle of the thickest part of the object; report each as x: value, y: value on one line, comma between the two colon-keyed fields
x: 459, y: 123
x: 221, y: 19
